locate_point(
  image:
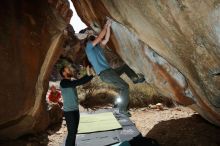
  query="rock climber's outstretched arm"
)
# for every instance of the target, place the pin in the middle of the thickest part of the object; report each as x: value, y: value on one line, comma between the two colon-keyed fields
x: 101, y: 34
x: 107, y: 35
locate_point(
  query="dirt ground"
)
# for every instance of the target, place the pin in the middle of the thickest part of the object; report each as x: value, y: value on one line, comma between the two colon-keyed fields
x: 179, y: 126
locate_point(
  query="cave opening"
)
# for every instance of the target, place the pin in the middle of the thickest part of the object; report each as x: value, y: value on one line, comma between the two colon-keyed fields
x: 76, y: 21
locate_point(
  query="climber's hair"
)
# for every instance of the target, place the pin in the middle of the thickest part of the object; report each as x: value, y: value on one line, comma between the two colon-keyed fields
x: 86, y: 40
x: 83, y: 30
x: 91, y: 38
x: 62, y: 70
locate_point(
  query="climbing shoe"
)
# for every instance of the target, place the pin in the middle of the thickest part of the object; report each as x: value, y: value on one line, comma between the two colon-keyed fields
x: 140, y: 79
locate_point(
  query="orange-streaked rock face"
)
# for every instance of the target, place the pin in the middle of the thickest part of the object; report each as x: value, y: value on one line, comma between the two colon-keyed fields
x: 174, y: 43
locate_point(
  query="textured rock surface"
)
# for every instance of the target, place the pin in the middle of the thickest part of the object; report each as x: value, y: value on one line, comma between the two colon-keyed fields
x: 175, y: 43
x: 31, y: 33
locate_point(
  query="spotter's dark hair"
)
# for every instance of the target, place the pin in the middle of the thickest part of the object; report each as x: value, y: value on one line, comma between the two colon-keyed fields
x: 62, y: 70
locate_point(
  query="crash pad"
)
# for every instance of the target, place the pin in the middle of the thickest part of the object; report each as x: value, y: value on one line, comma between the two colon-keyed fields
x: 98, y: 122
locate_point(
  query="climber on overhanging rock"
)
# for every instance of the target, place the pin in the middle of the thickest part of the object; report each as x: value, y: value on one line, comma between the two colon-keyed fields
x: 94, y: 51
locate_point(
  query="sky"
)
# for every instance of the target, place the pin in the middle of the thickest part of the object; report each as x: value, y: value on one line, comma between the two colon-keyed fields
x: 75, y: 20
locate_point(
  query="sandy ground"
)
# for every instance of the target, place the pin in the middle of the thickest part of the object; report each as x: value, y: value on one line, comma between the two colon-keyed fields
x: 145, y: 119
x: 179, y: 126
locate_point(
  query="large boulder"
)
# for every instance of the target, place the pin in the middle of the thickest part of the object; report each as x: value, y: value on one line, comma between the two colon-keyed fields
x: 30, y: 39
x: 175, y: 44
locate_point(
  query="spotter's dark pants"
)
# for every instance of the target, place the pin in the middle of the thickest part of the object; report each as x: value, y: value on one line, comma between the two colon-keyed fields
x: 72, y: 122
